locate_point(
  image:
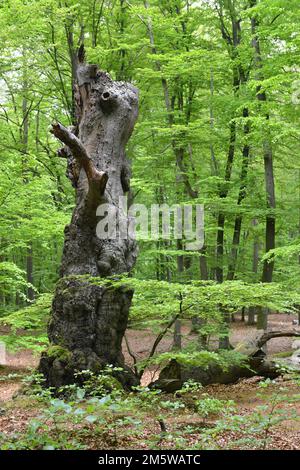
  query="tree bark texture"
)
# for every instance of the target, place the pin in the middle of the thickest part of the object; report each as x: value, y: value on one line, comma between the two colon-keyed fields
x: 89, y: 319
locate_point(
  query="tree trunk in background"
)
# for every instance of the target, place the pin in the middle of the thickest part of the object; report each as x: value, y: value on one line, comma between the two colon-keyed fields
x: 270, y: 219
x: 24, y: 134
x: 224, y: 339
x: 203, y: 265
x: 233, y: 41
x: 197, y: 322
x: 253, y: 310
x: 121, y: 74
x: 224, y: 342
x: 74, y: 62
x: 177, y: 336
x: 268, y: 267
x: 29, y: 272
x: 255, y: 249
x: 243, y: 314
x: 223, y: 195
x: 88, y: 321
x: 268, y: 159
x: 241, y: 196
x: 262, y: 318
x: 177, y: 343
x: 251, y: 315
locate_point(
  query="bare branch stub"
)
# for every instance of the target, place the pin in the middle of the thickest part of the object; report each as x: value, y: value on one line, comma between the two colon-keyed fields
x: 265, y: 337
x: 79, y: 153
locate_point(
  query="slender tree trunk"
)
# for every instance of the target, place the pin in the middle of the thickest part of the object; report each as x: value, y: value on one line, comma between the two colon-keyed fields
x: 214, y: 162
x: 177, y: 343
x: 224, y: 339
x: 74, y: 63
x: 96, y: 20
x: 262, y: 318
x: 255, y: 257
x: 224, y: 342
x: 251, y: 315
x: 197, y: 322
x: 89, y: 319
x: 233, y: 41
x: 268, y: 267
x: 121, y: 74
x: 268, y: 160
x: 29, y: 272
x: 204, y: 276
x: 243, y: 314
x: 241, y: 196
x: 223, y: 195
x: 270, y: 218
x: 25, y: 133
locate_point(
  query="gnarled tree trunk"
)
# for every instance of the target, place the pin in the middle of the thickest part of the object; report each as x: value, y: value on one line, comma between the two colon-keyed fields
x: 88, y: 320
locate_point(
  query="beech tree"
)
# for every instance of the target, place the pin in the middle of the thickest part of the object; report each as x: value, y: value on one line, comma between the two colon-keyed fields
x: 88, y: 321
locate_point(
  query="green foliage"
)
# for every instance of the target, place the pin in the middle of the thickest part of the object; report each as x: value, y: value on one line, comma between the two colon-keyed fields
x: 156, y: 301
x: 117, y: 419
x: 28, y: 325
x: 103, y: 383
x: 209, y: 407
x: 198, y: 108
x: 190, y: 358
x: 187, y: 60
x: 12, y: 280
x: 58, y: 352
x: 253, y: 431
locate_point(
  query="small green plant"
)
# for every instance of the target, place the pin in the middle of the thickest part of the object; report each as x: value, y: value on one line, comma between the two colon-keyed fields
x: 102, y: 383
x: 190, y: 387
x: 251, y: 430
x: 212, y: 407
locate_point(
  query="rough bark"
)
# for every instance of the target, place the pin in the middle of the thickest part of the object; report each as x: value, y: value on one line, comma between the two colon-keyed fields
x: 173, y: 376
x: 88, y: 320
x: 177, y: 337
x: 251, y: 315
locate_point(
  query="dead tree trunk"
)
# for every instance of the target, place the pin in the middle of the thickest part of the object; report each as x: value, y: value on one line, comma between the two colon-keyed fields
x: 88, y: 321
x: 173, y: 376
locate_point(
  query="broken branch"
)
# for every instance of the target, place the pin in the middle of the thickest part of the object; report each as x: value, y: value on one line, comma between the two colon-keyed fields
x: 80, y: 154
x: 275, y: 334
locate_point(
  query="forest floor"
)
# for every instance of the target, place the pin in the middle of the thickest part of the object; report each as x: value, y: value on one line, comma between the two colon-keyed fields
x: 15, y: 413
